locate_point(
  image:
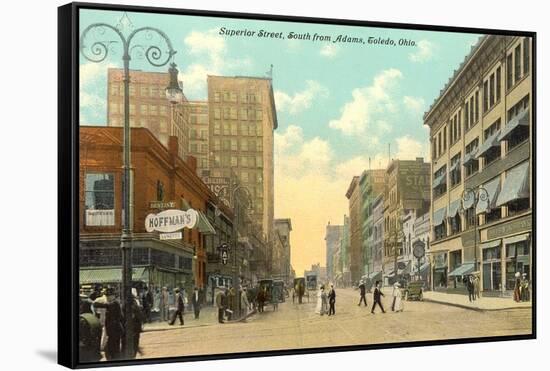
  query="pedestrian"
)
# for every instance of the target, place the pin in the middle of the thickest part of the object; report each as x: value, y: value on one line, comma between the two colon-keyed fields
x: 164, y: 304
x: 244, y: 302
x: 395, y: 293
x: 332, y: 301
x: 195, y: 300
x: 231, y: 303
x: 525, y: 294
x: 260, y: 298
x: 180, y: 307
x: 397, y: 298
x: 321, y: 301
x: 89, y: 333
x: 362, y: 293
x: 113, y: 324
x: 470, y: 286
x: 220, y: 304
x: 147, y: 303
x: 136, y: 321
x: 376, y: 297
x: 517, y: 287
x: 477, y: 291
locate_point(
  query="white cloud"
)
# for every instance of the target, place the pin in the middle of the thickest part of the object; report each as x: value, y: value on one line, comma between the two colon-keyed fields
x: 282, y: 142
x: 409, y: 149
x: 414, y: 104
x: 329, y: 50
x: 209, y: 52
x: 425, y: 52
x: 301, y: 100
x: 365, y: 112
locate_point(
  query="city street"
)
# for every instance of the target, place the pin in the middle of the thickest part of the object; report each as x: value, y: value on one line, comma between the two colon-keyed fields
x: 297, y: 326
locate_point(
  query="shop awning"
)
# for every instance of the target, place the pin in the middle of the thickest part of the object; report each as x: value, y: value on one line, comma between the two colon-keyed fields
x: 110, y: 275
x: 374, y: 275
x: 469, y: 157
x: 454, y: 166
x: 514, y: 239
x: 489, y: 143
x: 442, y: 179
x: 439, y: 216
x: 522, y: 119
x: 493, y: 189
x: 203, y: 225
x: 490, y: 244
x: 462, y: 270
x: 454, y: 207
x: 516, y: 185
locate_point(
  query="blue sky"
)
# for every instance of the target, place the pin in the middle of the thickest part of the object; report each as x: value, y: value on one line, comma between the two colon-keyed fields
x: 338, y: 104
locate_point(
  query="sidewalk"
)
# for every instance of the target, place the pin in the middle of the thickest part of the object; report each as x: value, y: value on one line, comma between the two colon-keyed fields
x: 208, y: 317
x: 481, y: 304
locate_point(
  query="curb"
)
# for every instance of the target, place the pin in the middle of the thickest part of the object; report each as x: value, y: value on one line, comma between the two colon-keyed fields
x: 477, y: 309
x: 177, y: 327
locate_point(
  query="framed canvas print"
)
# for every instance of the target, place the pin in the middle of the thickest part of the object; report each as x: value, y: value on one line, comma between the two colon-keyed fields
x: 239, y: 185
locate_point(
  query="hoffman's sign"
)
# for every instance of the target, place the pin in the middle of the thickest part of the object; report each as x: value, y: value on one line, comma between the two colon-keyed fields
x: 171, y: 220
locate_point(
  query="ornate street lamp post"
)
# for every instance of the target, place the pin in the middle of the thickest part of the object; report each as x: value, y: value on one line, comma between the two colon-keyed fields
x: 470, y: 199
x: 97, y: 51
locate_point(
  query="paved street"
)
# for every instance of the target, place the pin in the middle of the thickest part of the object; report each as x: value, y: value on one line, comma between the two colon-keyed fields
x: 297, y: 326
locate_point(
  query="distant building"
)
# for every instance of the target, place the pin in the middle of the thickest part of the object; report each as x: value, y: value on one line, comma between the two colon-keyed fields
x: 407, y: 189
x: 372, y: 183
x: 281, y: 265
x: 199, y: 136
x: 377, y: 238
x: 333, y: 234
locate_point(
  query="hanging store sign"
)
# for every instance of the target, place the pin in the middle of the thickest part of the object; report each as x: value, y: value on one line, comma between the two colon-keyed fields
x: 162, y: 204
x: 171, y: 236
x: 171, y: 220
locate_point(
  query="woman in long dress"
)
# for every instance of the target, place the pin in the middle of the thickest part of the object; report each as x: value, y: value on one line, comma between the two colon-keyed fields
x: 324, y: 301
x: 320, y: 308
x: 398, y: 297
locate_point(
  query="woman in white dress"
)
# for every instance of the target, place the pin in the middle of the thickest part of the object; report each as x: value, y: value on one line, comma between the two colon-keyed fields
x: 319, y: 305
x: 398, y: 297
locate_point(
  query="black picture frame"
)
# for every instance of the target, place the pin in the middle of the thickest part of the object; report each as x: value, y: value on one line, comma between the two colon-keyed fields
x: 68, y: 180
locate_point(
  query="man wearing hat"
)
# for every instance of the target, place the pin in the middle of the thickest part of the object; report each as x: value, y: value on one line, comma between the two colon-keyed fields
x: 113, y: 324
x: 195, y: 300
x: 179, y: 309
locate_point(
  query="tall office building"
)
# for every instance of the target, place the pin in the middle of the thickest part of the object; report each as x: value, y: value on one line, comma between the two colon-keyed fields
x: 149, y: 107
x: 198, y: 134
x: 242, y: 119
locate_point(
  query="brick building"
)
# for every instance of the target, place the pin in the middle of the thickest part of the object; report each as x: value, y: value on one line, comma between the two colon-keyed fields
x: 159, y: 175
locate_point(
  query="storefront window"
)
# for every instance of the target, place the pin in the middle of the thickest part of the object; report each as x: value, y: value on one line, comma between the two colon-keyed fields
x: 517, y: 260
x: 492, y: 272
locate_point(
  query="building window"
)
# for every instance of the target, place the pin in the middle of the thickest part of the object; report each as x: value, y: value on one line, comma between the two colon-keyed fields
x: 498, y: 84
x: 518, y: 206
x: 493, y: 153
x: 472, y: 166
x: 521, y: 132
x: 100, y: 199
x: 244, y: 114
x: 226, y: 113
x: 493, y: 215
x: 526, y: 56
x: 440, y: 231
x: 466, y: 115
x: 217, y: 114
x: 455, y: 174
x: 517, y: 63
x: 440, y: 176
x: 456, y: 224
x: 217, y: 96
x: 509, y: 72
x: 234, y: 146
x: 485, y: 96
x: 470, y: 217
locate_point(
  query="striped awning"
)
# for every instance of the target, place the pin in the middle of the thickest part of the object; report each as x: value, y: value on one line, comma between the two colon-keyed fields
x: 110, y: 275
x: 493, y: 189
x: 516, y: 185
x: 439, y: 216
x: 489, y: 143
x: 203, y: 225
x: 522, y: 119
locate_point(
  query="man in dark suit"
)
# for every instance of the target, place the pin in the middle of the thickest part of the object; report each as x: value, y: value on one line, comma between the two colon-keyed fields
x: 195, y: 300
x: 331, y: 301
x: 376, y: 297
x: 113, y: 325
x: 179, y: 308
x: 362, y: 293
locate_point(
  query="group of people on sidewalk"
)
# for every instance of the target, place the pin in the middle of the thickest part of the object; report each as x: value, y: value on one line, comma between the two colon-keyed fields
x: 472, y: 284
